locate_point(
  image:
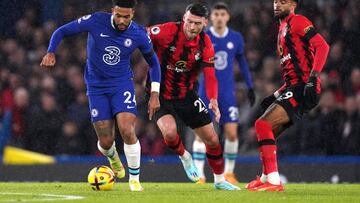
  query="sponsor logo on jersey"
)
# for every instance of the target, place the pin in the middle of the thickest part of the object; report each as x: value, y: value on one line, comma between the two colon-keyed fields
x: 112, y: 57
x: 180, y: 67
x: 221, y: 58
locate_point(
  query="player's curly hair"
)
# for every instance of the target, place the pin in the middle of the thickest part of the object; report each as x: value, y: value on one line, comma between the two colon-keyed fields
x: 198, y: 9
x: 125, y: 3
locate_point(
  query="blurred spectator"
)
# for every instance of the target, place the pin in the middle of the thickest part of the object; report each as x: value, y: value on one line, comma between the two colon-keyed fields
x: 70, y: 141
x: 151, y: 141
x: 21, y: 116
x: 350, y: 128
x: 45, y: 127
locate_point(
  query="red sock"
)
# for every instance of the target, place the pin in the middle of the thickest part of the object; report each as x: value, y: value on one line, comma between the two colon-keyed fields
x: 176, y: 145
x: 263, y: 166
x: 267, y: 146
x: 215, y: 159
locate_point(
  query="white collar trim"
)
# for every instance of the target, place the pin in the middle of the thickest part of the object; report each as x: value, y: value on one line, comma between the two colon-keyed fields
x: 212, y: 30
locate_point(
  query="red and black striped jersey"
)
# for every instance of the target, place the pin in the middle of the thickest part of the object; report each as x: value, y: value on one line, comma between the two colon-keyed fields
x: 181, y: 60
x: 295, y: 51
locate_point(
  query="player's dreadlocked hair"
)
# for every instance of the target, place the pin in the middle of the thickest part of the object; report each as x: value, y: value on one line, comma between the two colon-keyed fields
x: 124, y: 3
x: 198, y: 10
x: 220, y: 5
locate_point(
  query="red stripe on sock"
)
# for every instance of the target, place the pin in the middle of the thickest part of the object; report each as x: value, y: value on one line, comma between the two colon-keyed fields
x: 217, y: 165
x: 176, y: 145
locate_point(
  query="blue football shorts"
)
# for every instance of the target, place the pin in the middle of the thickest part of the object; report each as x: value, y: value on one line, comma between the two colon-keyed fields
x: 111, y: 101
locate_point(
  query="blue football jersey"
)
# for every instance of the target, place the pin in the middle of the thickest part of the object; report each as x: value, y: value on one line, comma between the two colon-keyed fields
x: 229, y: 47
x: 109, y: 51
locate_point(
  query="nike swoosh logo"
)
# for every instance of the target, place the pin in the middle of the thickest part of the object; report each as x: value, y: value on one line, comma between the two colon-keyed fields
x: 103, y: 35
x: 130, y: 107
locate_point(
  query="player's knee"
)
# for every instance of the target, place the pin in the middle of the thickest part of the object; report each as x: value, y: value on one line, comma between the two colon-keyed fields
x: 127, y: 131
x: 231, y: 136
x: 261, y: 123
x: 106, y: 141
x: 169, y: 132
x: 262, y: 128
x: 212, y: 141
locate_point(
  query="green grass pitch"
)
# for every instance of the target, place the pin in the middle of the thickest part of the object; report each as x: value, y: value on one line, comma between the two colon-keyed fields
x: 173, y: 192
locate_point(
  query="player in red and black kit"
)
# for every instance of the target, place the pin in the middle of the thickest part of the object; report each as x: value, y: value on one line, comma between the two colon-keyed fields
x: 184, y: 51
x: 302, y: 54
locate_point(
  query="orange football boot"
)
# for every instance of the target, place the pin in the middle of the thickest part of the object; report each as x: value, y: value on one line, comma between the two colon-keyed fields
x: 268, y: 187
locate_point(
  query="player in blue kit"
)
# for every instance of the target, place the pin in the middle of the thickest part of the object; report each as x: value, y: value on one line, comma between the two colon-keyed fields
x: 112, y: 38
x: 228, y: 45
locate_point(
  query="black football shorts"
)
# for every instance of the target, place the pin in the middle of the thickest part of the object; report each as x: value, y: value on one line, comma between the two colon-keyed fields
x: 292, y: 100
x: 191, y: 110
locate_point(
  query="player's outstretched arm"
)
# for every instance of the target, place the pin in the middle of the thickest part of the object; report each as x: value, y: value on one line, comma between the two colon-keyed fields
x: 74, y: 27
x: 244, y: 69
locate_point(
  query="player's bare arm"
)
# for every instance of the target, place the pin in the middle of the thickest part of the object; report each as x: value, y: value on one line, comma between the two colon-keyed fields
x: 154, y: 104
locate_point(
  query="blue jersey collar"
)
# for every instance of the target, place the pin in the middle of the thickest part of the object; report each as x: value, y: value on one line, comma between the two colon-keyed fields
x: 212, y: 30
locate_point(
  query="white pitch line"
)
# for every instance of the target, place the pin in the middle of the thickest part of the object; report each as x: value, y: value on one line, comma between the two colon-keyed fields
x: 53, y: 197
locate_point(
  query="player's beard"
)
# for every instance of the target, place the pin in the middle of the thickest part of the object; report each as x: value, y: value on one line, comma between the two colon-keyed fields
x: 117, y: 27
x: 282, y: 15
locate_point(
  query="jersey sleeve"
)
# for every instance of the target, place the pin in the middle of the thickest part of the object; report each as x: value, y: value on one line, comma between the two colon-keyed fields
x: 211, y: 83
x: 243, y: 64
x: 82, y: 24
x: 303, y: 27
x: 208, y: 53
x: 146, y: 48
x: 145, y: 44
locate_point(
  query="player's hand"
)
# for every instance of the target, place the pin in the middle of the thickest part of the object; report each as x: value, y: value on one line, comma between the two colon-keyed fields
x: 154, y: 104
x: 311, y: 97
x: 213, y: 105
x: 251, y: 96
x: 266, y: 102
x: 48, y: 60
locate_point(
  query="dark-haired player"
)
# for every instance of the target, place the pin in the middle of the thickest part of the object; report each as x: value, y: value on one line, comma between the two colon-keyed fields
x: 184, y: 50
x: 228, y: 45
x: 302, y: 54
x: 108, y: 75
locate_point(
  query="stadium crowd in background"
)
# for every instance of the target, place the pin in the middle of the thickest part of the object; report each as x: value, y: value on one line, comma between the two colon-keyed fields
x: 50, y: 111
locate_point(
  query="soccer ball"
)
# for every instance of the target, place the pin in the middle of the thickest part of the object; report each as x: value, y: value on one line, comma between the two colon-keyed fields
x: 101, y: 178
